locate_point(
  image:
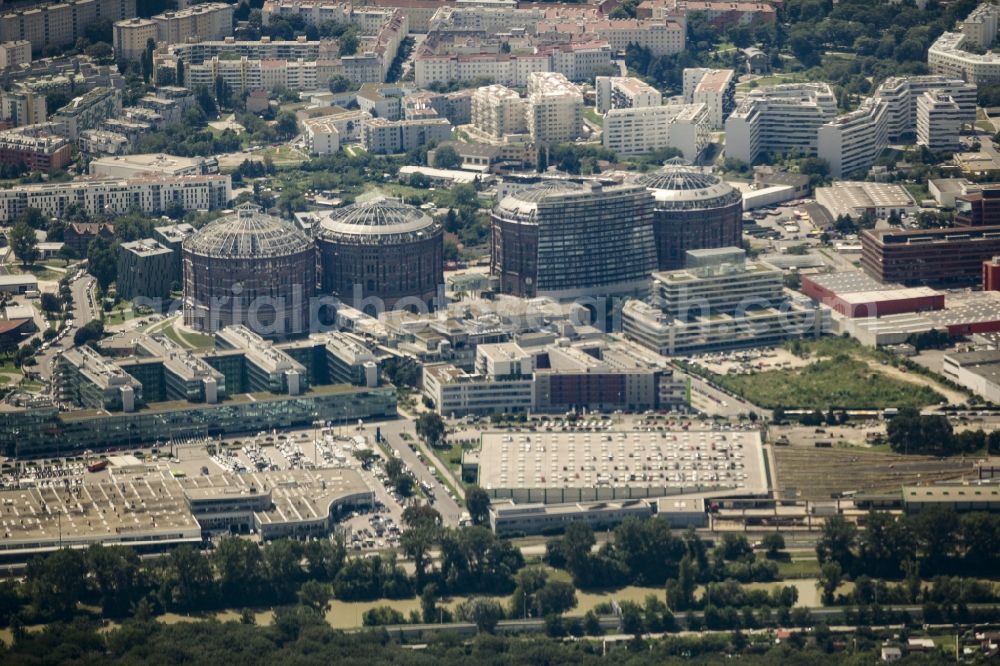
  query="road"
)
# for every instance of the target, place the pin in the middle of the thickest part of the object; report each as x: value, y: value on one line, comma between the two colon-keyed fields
x: 84, y: 310
x: 706, y: 397
x: 391, y: 430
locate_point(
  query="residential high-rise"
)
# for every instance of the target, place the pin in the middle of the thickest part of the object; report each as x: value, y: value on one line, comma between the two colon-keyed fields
x: 555, y: 108
x: 567, y: 240
x: 131, y: 36
x: 12, y: 54
x: 715, y: 88
x: 644, y: 129
x: 901, y: 93
x: 779, y: 119
x: 498, y: 111
x: 853, y: 141
x: 624, y: 92
x: 939, y: 121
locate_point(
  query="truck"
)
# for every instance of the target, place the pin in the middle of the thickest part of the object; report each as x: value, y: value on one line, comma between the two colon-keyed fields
x: 98, y: 466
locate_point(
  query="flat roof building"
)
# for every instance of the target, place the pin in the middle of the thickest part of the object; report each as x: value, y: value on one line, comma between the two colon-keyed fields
x: 856, y: 199
x: 146, y: 271
x: 566, y: 467
x: 928, y: 256
x: 127, y: 166
x: 779, y: 119
x: 728, y: 305
x: 624, y: 92
x: 86, y: 379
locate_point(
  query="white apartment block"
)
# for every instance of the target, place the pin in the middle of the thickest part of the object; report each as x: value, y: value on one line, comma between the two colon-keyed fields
x: 624, y: 92
x: 59, y: 24
x: 939, y: 121
x: 321, y: 135
x: 131, y: 36
x: 853, y: 141
x: 144, y: 164
x: 980, y: 27
x: 245, y: 74
x: 901, y: 93
x: 12, y: 54
x: 381, y: 136
x: 490, y: 20
x: 947, y: 56
x: 644, y: 129
x: 21, y: 107
x: 555, y: 108
x: 715, y: 88
x: 208, y: 21
x: 576, y: 61
x: 349, y: 125
x: 498, y: 111
x: 780, y: 119
x: 660, y: 37
x: 152, y: 194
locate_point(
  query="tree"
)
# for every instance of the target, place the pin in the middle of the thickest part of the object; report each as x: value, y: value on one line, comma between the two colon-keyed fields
x: 24, y: 243
x: 102, y: 261
x: 446, y: 157
x: 836, y: 542
x: 830, y: 578
x: 91, y: 331
x: 50, y: 302
x: 239, y: 568
x: 315, y: 595
x: 147, y: 60
x: 421, y: 515
x: 116, y: 575
x: 67, y: 254
x: 555, y: 598
x: 430, y: 428
x: 428, y: 603
x: 339, y: 84
x: 577, y: 541
x: 484, y: 612
x: 56, y: 582
x: 348, y: 45
x: 773, y: 544
x: 477, y: 501
x: 287, y: 124
x: 416, y: 543
x: 223, y: 92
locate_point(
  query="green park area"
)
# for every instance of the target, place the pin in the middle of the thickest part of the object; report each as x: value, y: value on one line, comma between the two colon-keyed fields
x: 841, y: 375
x: 840, y: 382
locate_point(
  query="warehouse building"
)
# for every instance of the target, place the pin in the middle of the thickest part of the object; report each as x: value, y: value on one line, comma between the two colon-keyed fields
x: 855, y: 294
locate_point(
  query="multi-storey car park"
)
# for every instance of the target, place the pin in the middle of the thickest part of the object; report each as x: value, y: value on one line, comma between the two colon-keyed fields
x: 563, y: 467
x: 152, y: 510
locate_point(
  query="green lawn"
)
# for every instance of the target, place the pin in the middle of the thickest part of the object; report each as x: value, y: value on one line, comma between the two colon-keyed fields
x: 593, y: 116
x: 841, y: 382
x: 189, y: 340
x: 798, y: 569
